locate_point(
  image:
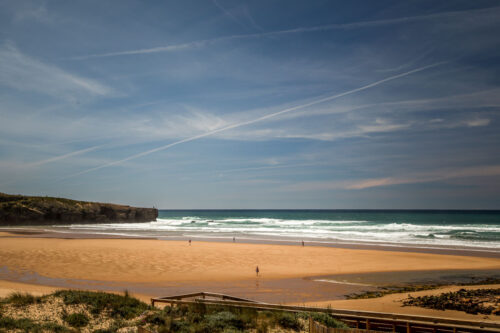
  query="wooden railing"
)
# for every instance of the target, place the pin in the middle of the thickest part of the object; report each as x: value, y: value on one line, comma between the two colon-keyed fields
x: 356, y: 319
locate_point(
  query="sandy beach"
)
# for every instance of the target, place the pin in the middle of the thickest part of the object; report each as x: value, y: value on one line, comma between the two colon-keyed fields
x: 155, y: 267
x: 128, y: 260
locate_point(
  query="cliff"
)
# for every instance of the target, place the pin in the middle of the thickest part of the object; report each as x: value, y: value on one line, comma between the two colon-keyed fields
x: 27, y: 210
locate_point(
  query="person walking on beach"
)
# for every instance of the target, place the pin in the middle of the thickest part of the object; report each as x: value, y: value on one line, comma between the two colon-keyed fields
x: 302, y: 243
x: 234, y: 239
x: 189, y: 242
x: 257, y: 270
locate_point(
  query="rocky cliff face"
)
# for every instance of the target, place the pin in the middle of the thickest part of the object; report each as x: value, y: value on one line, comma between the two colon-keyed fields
x: 25, y: 210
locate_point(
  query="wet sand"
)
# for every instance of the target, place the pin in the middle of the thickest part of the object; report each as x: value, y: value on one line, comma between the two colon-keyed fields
x: 32, y: 232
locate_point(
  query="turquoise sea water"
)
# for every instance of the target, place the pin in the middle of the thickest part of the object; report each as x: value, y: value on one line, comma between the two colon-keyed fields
x: 394, y: 227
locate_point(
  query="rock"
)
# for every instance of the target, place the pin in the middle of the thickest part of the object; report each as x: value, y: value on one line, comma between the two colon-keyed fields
x: 27, y: 210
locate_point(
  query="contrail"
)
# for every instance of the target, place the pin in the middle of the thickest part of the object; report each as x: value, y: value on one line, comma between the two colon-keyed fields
x: 271, y: 115
x: 228, y: 13
x: 61, y: 157
x: 353, y: 25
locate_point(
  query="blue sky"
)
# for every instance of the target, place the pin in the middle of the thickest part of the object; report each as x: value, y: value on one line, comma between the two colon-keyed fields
x: 252, y: 104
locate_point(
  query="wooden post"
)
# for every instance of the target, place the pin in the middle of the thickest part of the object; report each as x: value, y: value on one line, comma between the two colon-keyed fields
x: 408, y: 327
x: 368, y: 324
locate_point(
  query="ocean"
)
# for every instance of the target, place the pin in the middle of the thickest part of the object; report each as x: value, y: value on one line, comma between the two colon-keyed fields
x: 414, y: 228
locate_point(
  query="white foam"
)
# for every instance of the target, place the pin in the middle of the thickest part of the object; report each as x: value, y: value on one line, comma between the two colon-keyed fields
x: 342, y: 282
x: 314, y: 229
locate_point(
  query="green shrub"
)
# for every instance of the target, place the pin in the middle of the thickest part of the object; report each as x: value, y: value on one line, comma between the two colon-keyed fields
x: 22, y: 299
x: 262, y: 327
x: 12, y: 324
x: 28, y: 325
x: 288, y: 320
x: 179, y: 326
x: 324, y: 318
x: 77, y: 319
x: 156, y: 319
x: 247, y: 316
x: 54, y: 327
x: 225, y: 319
x: 118, y: 306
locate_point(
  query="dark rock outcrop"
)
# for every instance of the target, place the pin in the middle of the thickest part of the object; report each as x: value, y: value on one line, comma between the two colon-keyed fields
x: 26, y: 210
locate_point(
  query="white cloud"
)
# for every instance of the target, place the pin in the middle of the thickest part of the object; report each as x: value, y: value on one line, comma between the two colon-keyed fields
x: 28, y: 74
x: 478, y: 171
x: 380, y: 126
x: 477, y: 122
x: 424, y: 177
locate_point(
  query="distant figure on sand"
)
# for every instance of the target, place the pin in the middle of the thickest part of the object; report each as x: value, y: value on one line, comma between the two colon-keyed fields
x: 189, y: 242
x: 302, y: 243
x: 257, y: 270
x: 234, y: 239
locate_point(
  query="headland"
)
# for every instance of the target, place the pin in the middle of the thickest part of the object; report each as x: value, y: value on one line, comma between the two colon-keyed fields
x: 33, y: 210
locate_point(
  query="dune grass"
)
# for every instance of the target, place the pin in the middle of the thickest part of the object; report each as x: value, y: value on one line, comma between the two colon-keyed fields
x: 119, y: 306
x: 22, y: 299
x: 100, y: 312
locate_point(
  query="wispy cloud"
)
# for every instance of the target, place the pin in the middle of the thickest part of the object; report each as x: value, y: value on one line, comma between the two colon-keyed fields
x: 381, y: 125
x: 415, y: 178
x: 36, y: 11
x: 259, y: 119
x: 243, y: 12
x: 28, y: 74
x: 344, y: 26
x: 478, y: 171
x: 477, y: 122
x: 228, y: 13
x: 480, y: 99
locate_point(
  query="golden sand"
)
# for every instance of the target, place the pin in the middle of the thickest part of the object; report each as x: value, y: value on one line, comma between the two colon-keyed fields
x: 131, y: 260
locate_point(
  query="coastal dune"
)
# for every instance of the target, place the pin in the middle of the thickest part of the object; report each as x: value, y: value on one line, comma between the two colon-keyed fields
x: 150, y: 261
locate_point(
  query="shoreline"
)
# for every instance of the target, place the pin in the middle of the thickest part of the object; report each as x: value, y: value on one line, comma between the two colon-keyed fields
x: 30, y: 232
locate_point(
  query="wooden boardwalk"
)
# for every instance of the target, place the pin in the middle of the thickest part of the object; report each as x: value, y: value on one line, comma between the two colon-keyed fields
x: 360, y: 320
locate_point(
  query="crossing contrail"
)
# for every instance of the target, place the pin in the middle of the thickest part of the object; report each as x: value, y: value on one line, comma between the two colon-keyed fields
x: 244, y: 123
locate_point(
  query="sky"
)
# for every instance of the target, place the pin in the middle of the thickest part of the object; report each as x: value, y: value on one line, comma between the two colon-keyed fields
x: 252, y: 104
